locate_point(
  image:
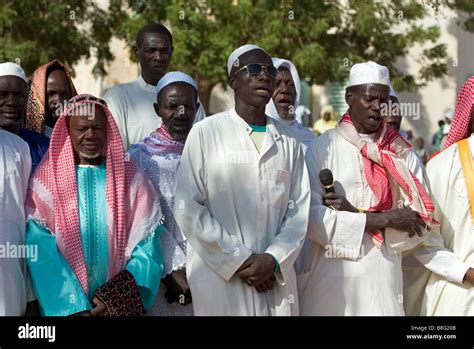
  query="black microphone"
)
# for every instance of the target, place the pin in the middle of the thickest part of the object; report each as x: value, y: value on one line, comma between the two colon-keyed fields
x: 327, y: 180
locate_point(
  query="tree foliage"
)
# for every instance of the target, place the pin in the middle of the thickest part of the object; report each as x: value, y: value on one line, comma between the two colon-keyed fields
x: 324, y: 38
x: 35, y: 32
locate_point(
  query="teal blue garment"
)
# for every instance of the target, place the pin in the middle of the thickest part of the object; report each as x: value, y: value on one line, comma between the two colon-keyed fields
x: 56, y: 286
x: 146, y: 266
x: 93, y: 224
x: 257, y: 128
x: 54, y: 283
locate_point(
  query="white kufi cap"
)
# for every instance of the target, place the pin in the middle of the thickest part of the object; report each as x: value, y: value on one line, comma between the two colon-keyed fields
x: 369, y: 73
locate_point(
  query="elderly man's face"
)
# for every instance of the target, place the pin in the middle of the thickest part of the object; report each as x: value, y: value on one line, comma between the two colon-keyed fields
x: 177, y: 107
x: 284, y: 94
x: 154, y: 54
x: 88, y: 132
x: 394, y: 119
x: 253, y: 90
x: 365, y: 103
x: 57, y: 92
x: 13, y: 99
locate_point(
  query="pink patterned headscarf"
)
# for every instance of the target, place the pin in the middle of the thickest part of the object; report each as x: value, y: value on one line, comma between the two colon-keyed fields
x: 160, y: 141
x: 461, y: 125
x: 132, y: 202
x: 382, y: 161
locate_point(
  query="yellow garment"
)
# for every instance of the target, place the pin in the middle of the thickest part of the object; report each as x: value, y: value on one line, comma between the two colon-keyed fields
x: 257, y: 139
x: 321, y: 126
x: 468, y: 172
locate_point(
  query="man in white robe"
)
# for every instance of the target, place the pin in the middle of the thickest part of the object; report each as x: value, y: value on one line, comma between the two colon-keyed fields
x: 356, y: 235
x: 451, y: 177
x: 242, y: 200
x: 131, y: 103
x: 286, y: 98
x: 15, y: 168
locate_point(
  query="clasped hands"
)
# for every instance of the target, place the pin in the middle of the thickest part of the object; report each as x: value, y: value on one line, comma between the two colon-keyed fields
x: 257, y: 271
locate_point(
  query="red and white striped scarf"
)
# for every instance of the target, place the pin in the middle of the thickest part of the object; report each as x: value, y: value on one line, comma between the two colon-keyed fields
x: 461, y: 125
x: 382, y: 160
x: 52, y: 197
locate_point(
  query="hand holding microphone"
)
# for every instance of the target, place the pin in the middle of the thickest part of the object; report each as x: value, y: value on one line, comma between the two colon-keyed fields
x: 327, y: 180
x: 331, y: 199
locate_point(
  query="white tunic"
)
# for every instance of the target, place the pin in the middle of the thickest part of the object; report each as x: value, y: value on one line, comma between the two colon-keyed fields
x: 131, y: 105
x: 445, y: 295
x: 343, y: 272
x: 232, y: 202
x: 304, y: 134
x: 15, y: 168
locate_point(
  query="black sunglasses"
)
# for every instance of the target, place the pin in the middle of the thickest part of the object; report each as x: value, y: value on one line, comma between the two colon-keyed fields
x: 256, y: 69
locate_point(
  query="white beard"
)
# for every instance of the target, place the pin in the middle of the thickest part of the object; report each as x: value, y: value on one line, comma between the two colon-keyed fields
x: 89, y: 156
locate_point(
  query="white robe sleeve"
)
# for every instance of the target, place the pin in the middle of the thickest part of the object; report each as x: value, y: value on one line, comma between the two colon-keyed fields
x: 116, y: 103
x: 287, y: 244
x: 433, y: 254
x: 342, y: 229
x: 222, y: 251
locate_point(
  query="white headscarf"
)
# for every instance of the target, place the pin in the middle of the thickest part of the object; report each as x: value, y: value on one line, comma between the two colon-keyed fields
x: 12, y: 69
x: 271, y: 108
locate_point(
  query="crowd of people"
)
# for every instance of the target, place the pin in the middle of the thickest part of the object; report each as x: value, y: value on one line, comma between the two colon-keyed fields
x: 139, y: 204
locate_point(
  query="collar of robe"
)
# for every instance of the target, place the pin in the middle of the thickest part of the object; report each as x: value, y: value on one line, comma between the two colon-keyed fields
x: 143, y: 84
x: 271, y: 137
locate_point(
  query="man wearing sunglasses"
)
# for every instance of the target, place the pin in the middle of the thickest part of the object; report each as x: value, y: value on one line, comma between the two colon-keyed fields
x: 242, y: 200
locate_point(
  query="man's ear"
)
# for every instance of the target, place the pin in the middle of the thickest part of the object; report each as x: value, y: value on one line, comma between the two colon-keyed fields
x: 135, y: 50
x: 156, y: 106
x: 231, y: 82
x: 349, y: 97
x: 197, y: 106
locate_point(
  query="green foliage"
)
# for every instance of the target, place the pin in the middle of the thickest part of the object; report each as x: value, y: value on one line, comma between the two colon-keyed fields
x: 35, y: 32
x: 322, y: 37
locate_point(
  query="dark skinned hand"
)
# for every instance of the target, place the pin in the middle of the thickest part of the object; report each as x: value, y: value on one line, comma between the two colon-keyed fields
x: 469, y: 277
x: 257, y: 271
x: 267, y: 285
x: 177, y: 288
x: 338, y: 202
x: 100, y: 309
x: 405, y: 219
